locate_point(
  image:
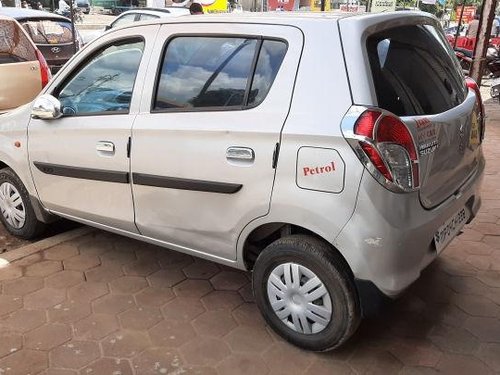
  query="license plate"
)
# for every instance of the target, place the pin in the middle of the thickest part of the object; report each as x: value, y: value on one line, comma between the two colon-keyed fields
x: 450, y: 229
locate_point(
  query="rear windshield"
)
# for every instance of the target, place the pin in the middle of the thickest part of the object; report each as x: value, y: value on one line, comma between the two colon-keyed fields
x: 15, y: 46
x: 49, y: 31
x: 413, y: 71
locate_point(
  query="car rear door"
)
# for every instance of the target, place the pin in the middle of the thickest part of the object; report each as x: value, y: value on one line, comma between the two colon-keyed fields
x: 203, y: 145
x: 403, y: 64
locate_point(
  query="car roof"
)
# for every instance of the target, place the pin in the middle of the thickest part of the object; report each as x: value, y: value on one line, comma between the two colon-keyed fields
x: 161, y: 12
x: 23, y: 14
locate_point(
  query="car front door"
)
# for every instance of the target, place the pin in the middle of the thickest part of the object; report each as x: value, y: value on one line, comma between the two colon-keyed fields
x: 80, y: 162
x: 203, y: 145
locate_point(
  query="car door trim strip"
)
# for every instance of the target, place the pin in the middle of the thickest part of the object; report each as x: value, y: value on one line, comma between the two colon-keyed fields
x: 185, y: 184
x: 83, y: 173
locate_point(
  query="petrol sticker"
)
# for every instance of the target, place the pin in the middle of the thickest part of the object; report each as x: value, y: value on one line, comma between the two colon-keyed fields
x: 474, y: 131
x: 427, y: 136
x: 320, y: 169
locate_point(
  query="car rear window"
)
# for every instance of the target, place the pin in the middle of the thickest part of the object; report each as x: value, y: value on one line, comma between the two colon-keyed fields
x: 49, y: 31
x: 413, y: 71
x: 14, y: 44
x: 217, y: 72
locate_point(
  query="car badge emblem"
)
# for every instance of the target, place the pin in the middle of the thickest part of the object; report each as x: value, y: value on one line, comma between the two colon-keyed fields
x: 55, y: 49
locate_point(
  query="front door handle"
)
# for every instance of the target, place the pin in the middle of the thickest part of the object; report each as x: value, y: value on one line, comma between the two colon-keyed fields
x: 105, y: 147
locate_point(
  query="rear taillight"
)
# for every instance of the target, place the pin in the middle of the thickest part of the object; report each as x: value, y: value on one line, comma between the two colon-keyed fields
x: 44, y: 69
x: 471, y: 84
x: 390, y: 147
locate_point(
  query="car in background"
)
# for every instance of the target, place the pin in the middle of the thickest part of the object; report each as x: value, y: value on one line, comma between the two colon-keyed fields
x: 452, y: 31
x: 51, y: 33
x: 147, y: 14
x: 84, y: 5
x: 23, y: 69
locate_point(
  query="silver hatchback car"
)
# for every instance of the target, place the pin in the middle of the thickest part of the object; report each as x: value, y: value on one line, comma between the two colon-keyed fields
x: 333, y: 156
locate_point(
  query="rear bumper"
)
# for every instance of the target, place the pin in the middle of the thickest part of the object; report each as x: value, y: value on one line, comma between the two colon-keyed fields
x: 390, y: 238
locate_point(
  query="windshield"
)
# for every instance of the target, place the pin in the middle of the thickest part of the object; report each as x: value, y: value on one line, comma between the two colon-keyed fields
x: 49, y: 31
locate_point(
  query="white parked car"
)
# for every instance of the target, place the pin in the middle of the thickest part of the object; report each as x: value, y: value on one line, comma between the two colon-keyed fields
x: 334, y: 156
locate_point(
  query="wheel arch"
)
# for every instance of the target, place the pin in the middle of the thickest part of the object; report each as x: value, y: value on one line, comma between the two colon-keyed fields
x: 264, y: 234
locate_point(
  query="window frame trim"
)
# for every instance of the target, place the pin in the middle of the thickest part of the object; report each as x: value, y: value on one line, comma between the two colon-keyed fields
x: 260, y: 41
x: 56, y: 91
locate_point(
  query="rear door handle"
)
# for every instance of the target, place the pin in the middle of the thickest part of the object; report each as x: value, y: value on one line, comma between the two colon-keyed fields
x: 105, y: 147
x: 242, y: 154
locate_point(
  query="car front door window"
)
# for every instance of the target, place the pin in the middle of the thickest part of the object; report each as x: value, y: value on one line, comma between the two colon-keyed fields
x: 105, y: 83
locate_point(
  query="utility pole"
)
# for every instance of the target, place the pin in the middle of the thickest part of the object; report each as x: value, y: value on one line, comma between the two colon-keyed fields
x: 72, y: 13
x: 482, y: 39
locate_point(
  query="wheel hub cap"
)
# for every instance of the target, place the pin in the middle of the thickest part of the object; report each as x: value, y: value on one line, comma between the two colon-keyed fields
x: 12, y: 206
x: 299, y: 298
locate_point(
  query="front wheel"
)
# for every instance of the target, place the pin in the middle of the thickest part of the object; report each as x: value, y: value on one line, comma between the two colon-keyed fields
x: 16, y: 211
x: 306, y: 293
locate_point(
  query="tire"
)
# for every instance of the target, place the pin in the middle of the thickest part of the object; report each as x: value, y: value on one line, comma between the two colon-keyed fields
x: 306, y: 254
x: 10, y: 185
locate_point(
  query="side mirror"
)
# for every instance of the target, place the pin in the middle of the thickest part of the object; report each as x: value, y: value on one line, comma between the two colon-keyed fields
x: 46, y: 107
x: 108, y: 27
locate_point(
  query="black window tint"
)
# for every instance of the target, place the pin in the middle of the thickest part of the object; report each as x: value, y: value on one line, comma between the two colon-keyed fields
x: 105, y: 83
x: 201, y: 72
x: 270, y: 58
x: 413, y: 71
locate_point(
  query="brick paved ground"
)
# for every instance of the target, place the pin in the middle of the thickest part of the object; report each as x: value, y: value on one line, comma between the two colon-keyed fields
x: 104, y: 304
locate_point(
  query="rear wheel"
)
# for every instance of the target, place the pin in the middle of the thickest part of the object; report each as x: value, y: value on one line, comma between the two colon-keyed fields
x: 16, y: 211
x: 305, y: 292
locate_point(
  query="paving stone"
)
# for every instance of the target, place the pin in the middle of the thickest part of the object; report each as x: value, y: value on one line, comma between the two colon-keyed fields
x: 44, y: 298
x: 59, y: 371
x: 74, y: 354
x: 88, y: 291
x: 493, y: 241
x: 462, y: 364
x: 109, y: 366
x: 95, y: 326
x: 143, y: 267
x: 467, y: 285
x: 419, y: 370
x: 246, y: 292
x: 47, y: 336
x: 95, y: 247
x: 22, y: 286
x: 44, y: 268
x: 478, y: 306
x: 454, y: 339
x: 486, y: 329
x: 490, y: 355
x: 140, y: 318
x: 10, y: 272
x: 221, y: 300
x: 477, y: 248
x: 248, y: 339
x: 183, y: 309
x: 24, y: 362
x: 125, y: 344
x: 490, y: 278
x: 166, y: 278
x: 248, y: 314
x: 82, y: 262
x: 64, y: 279
x: 243, y: 364
x: 215, y: 323
x: 173, y: 259
x: 328, y: 367
x: 192, y: 288
x: 154, y: 297
x: 155, y: 361
x: 10, y: 304
x: 470, y: 234
x: 201, y: 269
x: 128, y: 284
x: 69, y: 311
x: 284, y: 359
x: 118, y: 257
x: 373, y: 360
x: 481, y: 262
x: 229, y: 280
x: 24, y: 320
x: 113, y: 303
x: 104, y: 273
x: 60, y: 252
x: 171, y: 333
x: 10, y: 342
x: 205, y: 351
x: 29, y: 260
